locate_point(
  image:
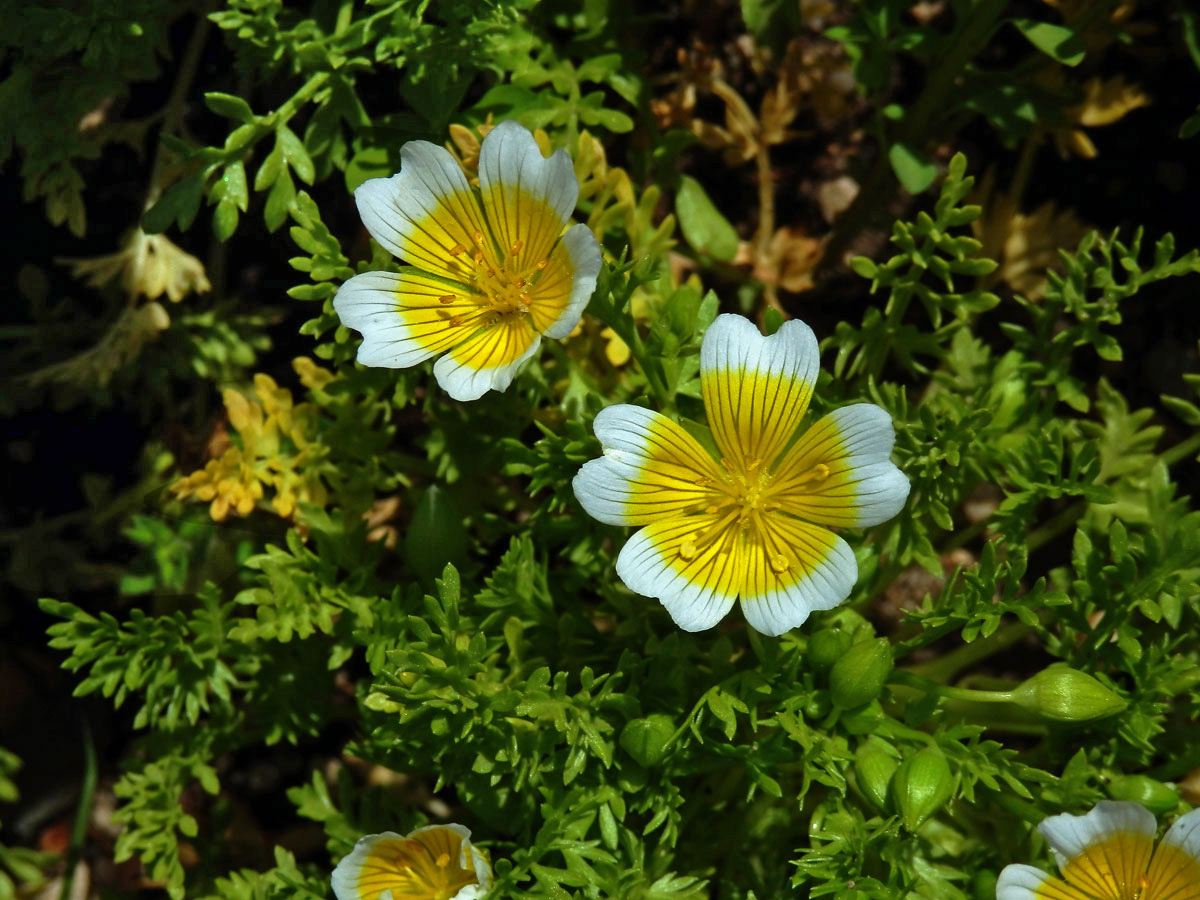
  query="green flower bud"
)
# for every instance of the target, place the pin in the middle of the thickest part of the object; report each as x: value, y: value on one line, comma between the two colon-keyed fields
x: 873, y: 769
x: 1154, y: 795
x: 921, y: 785
x: 646, y: 740
x: 858, y: 677
x: 1066, y: 695
x: 826, y: 647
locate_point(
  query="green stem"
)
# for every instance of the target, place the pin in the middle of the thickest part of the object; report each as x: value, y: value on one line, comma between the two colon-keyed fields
x: 1055, y: 526
x: 82, y: 813
x: 1182, y: 450
x: 914, y: 131
x: 900, y: 676
x: 948, y: 666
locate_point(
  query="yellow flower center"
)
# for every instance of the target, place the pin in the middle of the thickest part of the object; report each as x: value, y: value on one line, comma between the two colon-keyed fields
x: 744, y: 499
x: 499, y: 283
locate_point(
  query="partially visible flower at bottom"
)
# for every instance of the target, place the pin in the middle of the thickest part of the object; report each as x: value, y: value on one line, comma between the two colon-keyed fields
x: 437, y: 862
x: 1109, y: 854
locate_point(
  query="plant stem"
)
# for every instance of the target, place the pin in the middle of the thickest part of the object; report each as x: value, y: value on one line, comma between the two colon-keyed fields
x: 948, y: 666
x: 1182, y: 450
x: 914, y: 130
x: 900, y: 676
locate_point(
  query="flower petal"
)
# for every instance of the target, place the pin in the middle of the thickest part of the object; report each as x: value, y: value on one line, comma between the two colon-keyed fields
x: 1106, y: 851
x: 401, y: 317
x: 527, y: 198
x: 424, y: 211
x: 488, y: 360
x: 1175, y: 869
x: 431, y: 862
x: 1027, y: 883
x: 567, y: 284
x: 839, y: 472
x: 697, y: 592
x: 756, y: 389
x: 651, y: 469
x: 790, y: 569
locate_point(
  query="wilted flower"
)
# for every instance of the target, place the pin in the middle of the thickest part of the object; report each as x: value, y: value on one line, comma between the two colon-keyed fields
x: 437, y: 862
x: 1109, y: 853
x: 148, y: 264
x: 486, y: 282
x: 754, y: 525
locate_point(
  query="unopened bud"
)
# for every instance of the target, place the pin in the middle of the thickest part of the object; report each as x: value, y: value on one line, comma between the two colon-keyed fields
x: 1066, y: 695
x: 921, y: 785
x: 873, y: 770
x: 647, y: 739
x: 857, y: 678
x: 1154, y: 795
x: 826, y: 647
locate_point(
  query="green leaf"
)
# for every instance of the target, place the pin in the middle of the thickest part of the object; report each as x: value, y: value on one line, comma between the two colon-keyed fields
x: 1191, y: 125
x: 225, y: 219
x: 295, y: 154
x: 913, y: 170
x: 1056, y: 41
x: 178, y: 204
x: 229, y: 106
x: 703, y: 226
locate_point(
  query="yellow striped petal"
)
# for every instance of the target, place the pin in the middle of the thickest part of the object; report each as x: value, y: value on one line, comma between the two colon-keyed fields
x: 1020, y: 882
x: 426, y: 214
x: 489, y: 359
x: 406, y: 318
x: 790, y: 569
x: 1175, y: 869
x: 839, y: 473
x: 651, y: 469
x: 437, y: 862
x: 688, y: 564
x: 756, y: 389
x: 527, y: 198
x: 1105, y: 852
x: 562, y: 291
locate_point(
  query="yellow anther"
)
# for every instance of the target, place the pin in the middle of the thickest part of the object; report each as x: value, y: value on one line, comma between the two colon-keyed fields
x: 516, y: 247
x: 478, y: 236
x: 712, y: 510
x: 780, y: 563
x: 687, y: 549
x: 447, y: 298
x: 543, y: 262
x: 524, y: 298
x: 457, y: 249
x: 455, y: 321
x: 443, y: 860
x: 477, y: 256
x: 753, y: 463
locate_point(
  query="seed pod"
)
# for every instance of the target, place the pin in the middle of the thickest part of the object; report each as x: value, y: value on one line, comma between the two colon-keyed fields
x: 921, y: 785
x: 873, y: 769
x: 1154, y: 795
x: 1066, y: 695
x: 826, y: 647
x: 857, y: 678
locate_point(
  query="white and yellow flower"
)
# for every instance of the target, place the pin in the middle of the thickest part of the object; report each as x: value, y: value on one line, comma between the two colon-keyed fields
x: 486, y: 282
x: 755, y: 524
x: 437, y: 862
x: 1109, y: 854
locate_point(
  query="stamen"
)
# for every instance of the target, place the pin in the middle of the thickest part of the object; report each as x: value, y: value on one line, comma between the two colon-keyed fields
x: 516, y: 247
x: 687, y: 550
x: 543, y: 262
x: 752, y: 463
x: 477, y: 256
x: 443, y: 860
x: 780, y: 563
x: 448, y: 298
x: 455, y: 321
x: 478, y: 236
x: 524, y: 298
x: 816, y: 474
x: 457, y: 249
